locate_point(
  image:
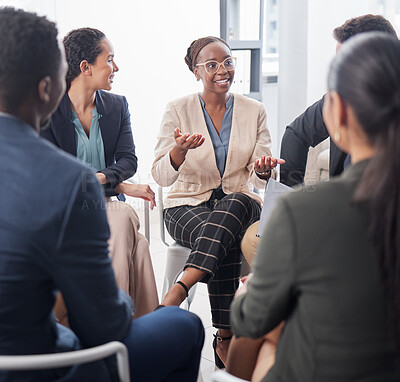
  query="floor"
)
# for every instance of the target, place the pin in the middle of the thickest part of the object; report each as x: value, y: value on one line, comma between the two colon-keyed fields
x: 200, y: 304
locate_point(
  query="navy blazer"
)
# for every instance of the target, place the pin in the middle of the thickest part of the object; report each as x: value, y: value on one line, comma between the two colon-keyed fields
x: 53, y: 237
x: 115, y: 127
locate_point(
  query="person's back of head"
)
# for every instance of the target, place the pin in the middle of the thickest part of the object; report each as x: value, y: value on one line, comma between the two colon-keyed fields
x: 366, y: 76
x: 361, y: 24
x: 30, y: 61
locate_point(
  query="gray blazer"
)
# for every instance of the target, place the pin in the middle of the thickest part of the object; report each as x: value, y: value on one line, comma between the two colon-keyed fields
x: 316, y: 269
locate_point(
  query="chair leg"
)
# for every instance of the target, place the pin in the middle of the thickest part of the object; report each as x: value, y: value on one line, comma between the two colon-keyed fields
x: 176, y: 259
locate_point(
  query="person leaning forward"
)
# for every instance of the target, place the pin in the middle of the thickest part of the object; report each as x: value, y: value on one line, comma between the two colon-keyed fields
x: 50, y: 243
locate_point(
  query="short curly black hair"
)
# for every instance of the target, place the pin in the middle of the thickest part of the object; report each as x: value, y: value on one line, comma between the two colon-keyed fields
x: 29, y: 51
x: 360, y: 24
x: 81, y: 44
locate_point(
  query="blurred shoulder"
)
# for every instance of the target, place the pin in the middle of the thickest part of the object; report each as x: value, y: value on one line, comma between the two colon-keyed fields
x: 59, y: 161
x: 324, y: 198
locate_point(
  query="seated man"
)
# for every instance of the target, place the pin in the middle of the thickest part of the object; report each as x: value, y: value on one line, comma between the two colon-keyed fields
x: 308, y: 130
x: 53, y: 236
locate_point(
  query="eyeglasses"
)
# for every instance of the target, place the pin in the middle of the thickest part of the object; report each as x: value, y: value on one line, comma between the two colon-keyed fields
x: 212, y: 67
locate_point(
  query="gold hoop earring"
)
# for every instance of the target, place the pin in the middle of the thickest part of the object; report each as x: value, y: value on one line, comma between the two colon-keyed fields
x: 337, y: 136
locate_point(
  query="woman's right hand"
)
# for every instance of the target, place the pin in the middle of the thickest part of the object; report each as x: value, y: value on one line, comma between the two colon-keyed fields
x: 184, y: 143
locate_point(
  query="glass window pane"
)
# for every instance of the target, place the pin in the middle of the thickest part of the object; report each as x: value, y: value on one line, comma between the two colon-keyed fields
x: 389, y: 9
x: 244, y: 19
x: 270, y: 66
x: 241, y: 82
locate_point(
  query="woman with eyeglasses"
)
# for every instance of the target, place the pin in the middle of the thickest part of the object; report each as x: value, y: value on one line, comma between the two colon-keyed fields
x: 94, y: 125
x: 210, y: 147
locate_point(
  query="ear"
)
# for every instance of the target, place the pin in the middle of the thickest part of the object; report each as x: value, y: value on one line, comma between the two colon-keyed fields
x: 340, y: 109
x: 342, y: 121
x: 343, y: 113
x: 85, y: 68
x: 44, y: 89
x: 196, y: 73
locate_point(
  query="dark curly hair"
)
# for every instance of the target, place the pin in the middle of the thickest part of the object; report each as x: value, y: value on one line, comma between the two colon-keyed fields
x: 29, y: 52
x: 196, y: 46
x: 81, y: 44
x: 365, y: 23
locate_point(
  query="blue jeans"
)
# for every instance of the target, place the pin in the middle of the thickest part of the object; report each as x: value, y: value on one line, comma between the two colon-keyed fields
x: 164, y: 345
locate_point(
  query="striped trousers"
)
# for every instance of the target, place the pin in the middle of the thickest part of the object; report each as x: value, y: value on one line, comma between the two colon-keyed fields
x: 213, y: 230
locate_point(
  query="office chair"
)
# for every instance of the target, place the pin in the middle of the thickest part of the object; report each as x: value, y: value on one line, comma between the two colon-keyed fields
x: 223, y: 376
x: 176, y: 257
x: 56, y: 360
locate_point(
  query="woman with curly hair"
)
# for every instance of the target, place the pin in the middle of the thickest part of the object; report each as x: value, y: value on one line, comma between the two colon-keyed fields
x: 94, y: 125
x: 210, y: 147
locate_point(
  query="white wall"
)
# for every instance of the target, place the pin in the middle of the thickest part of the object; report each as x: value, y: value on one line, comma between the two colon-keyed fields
x: 270, y: 100
x: 150, y: 39
x: 307, y: 48
x: 292, y: 81
x: 41, y: 7
x: 323, y: 17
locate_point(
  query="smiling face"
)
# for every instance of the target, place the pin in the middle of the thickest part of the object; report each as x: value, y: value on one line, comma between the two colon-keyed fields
x: 221, y: 81
x: 104, y: 67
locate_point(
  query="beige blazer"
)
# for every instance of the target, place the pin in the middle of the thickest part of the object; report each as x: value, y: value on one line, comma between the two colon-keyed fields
x: 198, y: 175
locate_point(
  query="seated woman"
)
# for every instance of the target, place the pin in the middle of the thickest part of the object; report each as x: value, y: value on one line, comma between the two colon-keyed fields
x: 327, y: 264
x: 94, y: 125
x: 209, y: 147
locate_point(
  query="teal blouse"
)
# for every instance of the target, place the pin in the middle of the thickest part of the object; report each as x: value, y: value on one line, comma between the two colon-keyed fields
x: 90, y: 149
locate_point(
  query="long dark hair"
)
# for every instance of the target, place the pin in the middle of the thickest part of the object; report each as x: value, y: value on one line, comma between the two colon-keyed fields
x: 366, y: 75
x: 81, y: 44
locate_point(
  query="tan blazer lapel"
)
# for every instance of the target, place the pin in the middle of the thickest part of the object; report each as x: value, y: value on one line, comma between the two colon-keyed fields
x: 206, y: 151
x: 233, y: 136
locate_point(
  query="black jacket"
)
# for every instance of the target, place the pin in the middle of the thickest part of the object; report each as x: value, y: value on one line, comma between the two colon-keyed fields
x: 307, y: 130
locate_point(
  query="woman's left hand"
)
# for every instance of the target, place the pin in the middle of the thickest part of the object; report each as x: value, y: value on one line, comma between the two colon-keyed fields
x: 101, y: 178
x: 142, y: 191
x: 264, y: 165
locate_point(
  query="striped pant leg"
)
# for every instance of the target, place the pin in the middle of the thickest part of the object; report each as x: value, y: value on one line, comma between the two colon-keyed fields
x: 214, y: 236
x: 184, y: 223
x: 217, y: 251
